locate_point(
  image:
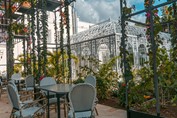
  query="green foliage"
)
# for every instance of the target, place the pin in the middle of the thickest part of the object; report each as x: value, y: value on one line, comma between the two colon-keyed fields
x: 104, y: 74
x: 127, y: 10
x: 141, y: 88
x: 52, y: 65
x: 121, y: 93
x: 79, y: 80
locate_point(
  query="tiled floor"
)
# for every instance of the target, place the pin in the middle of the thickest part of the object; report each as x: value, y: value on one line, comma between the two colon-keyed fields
x: 104, y: 111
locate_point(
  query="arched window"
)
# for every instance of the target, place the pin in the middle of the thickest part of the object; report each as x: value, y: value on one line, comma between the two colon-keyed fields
x: 130, y: 53
x: 142, y: 54
x: 85, y: 55
x: 103, y: 53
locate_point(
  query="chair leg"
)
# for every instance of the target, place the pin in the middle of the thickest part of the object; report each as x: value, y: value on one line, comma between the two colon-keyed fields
x: 11, y: 114
x: 0, y: 94
x: 55, y: 108
x: 65, y: 110
x: 96, y: 111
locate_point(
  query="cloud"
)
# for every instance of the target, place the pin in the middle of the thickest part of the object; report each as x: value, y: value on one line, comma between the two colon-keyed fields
x: 140, y: 18
x: 95, y: 11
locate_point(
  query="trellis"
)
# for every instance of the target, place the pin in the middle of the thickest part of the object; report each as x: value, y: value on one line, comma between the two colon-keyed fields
x: 126, y: 72
x: 35, y: 47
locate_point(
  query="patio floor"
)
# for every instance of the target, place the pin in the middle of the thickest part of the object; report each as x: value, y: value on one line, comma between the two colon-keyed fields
x: 104, y: 111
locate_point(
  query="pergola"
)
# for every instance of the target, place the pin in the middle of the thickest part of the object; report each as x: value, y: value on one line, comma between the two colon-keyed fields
x: 30, y: 16
x: 126, y: 16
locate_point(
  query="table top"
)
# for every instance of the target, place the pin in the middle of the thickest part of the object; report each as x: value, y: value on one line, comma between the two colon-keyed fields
x: 58, y: 88
x: 19, y: 79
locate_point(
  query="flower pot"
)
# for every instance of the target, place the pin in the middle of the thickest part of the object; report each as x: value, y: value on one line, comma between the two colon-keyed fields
x: 26, y: 4
x: 137, y: 114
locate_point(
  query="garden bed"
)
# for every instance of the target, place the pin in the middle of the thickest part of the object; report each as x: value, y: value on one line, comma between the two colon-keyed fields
x: 167, y: 112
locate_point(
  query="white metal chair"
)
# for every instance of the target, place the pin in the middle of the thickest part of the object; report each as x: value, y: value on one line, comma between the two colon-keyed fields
x: 52, y: 100
x: 28, y: 98
x: 48, y: 81
x: 17, y: 79
x: 2, y: 87
x: 24, y: 111
x: 29, y: 83
x: 92, y: 80
x: 16, y: 76
x: 81, y: 100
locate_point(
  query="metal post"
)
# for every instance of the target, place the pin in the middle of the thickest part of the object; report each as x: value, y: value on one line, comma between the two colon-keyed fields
x: 123, y: 46
x: 61, y: 42
x: 68, y: 42
x: 56, y: 44
x: 154, y: 50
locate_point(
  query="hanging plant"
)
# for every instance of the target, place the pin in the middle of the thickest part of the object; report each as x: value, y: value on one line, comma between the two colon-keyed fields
x: 20, y: 1
x: 19, y: 28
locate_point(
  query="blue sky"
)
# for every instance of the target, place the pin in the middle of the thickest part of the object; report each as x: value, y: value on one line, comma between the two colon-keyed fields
x: 95, y: 11
x: 140, y: 3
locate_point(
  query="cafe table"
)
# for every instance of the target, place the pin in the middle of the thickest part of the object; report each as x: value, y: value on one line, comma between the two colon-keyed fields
x: 60, y: 90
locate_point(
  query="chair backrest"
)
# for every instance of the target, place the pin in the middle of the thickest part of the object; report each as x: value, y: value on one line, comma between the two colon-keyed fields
x: 4, y: 75
x: 91, y: 80
x: 29, y: 81
x: 13, y: 84
x: 0, y: 82
x: 13, y: 97
x: 47, y: 81
x: 16, y: 76
x: 82, y: 97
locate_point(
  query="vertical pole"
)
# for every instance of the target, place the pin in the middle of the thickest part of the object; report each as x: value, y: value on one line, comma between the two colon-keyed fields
x: 68, y: 41
x: 123, y: 53
x: 38, y: 41
x: 154, y: 51
x: 44, y: 34
x: 61, y: 41
x: 56, y: 45
x: 24, y: 55
x: 9, y: 43
x: 33, y: 37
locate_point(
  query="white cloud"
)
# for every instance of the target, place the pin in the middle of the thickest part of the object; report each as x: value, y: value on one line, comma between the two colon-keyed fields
x: 140, y: 18
x: 95, y: 11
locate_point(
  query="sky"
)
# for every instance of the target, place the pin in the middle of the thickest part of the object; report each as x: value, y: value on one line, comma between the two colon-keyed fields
x: 95, y: 11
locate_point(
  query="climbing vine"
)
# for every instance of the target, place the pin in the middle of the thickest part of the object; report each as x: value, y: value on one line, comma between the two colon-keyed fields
x: 68, y: 40
x: 44, y: 33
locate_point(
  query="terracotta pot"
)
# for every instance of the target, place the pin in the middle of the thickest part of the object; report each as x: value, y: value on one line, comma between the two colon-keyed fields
x: 26, y: 4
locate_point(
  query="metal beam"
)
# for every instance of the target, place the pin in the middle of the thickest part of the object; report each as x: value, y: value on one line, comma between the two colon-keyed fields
x: 151, y: 8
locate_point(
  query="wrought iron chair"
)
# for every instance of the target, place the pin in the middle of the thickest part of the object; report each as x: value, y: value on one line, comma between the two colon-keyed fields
x: 49, y: 81
x: 16, y: 76
x: 23, y: 111
x: 24, y: 98
x: 3, y: 84
x: 53, y: 100
x: 2, y: 87
x: 81, y: 100
x: 92, y: 80
x: 29, y: 83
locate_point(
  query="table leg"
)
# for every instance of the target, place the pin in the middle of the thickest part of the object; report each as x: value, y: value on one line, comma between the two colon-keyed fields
x: 58, y: 105
x: 18, y: 85
x: 48, y: 106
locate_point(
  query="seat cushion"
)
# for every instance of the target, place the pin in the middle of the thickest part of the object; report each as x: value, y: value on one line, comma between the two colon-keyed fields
x: 85, y: 114
x: 28, y: 112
